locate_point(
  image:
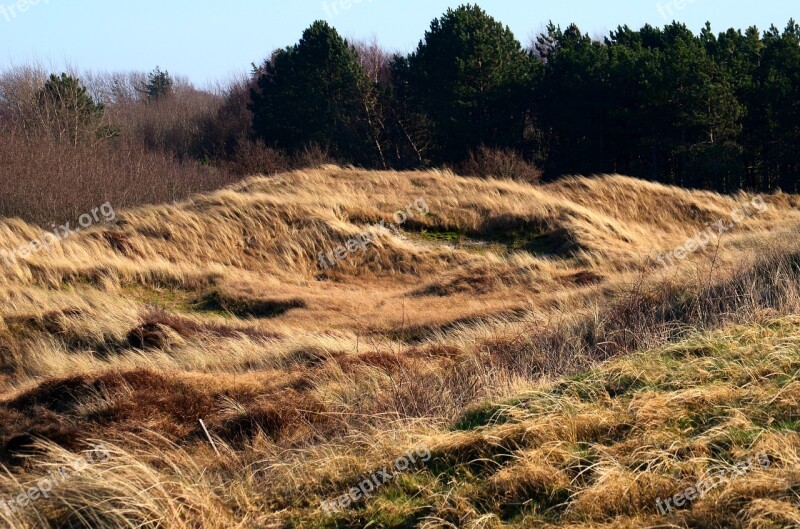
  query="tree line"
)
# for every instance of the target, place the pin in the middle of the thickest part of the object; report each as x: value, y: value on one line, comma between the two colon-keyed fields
x: 718, y: 111
x: 714, y: 111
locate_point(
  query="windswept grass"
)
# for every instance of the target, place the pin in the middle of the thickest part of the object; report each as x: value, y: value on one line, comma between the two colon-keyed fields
x: 598, y: 449
x: 476, y: 329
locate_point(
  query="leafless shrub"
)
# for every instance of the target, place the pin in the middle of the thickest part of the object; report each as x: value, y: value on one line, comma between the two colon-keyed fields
x: 500, y: 163
x: 172, y: 125
x: 226, y: 130
x: 254, y: 158
x: 312, y: 155
x: 62, y: 181
x: 134, y: 152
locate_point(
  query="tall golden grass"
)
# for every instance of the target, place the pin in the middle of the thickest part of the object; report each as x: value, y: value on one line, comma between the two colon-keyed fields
x: 454, y: 331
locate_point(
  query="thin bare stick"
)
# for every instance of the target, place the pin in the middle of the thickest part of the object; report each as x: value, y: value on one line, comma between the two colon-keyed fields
x: 209, y: 436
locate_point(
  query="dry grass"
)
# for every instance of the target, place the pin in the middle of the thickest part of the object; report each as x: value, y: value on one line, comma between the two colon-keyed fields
x: 598, y: 449
x: 216, y: 309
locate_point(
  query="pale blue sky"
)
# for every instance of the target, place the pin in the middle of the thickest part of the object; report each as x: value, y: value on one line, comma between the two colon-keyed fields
x: 210, y: 40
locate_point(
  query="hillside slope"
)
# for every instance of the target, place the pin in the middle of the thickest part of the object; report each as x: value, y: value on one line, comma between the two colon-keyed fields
x: 485, y: 248
x: 715, y: 415
x: 307, y: 370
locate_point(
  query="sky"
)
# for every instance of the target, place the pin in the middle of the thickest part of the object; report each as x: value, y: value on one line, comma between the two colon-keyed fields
x: 212, y: 41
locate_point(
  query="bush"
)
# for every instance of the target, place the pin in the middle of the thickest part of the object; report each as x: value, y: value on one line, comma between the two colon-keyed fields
x: 63, y: 181
x: 172, y: 124
x: 312, y: 155
x: 500, y: 163
x: 252, y: 157
x: 77, y: 145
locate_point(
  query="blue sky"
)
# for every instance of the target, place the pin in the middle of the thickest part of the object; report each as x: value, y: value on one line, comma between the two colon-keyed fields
x: 212, y: 40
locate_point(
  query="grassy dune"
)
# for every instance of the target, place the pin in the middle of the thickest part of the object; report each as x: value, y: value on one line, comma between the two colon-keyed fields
x: 527, y: 335
x: 600, y: 448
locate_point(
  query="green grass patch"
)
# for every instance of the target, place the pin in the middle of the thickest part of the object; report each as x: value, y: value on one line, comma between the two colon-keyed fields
x: 482, y: 416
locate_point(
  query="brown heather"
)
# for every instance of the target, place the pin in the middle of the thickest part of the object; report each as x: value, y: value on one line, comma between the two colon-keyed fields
x: 526, y: 334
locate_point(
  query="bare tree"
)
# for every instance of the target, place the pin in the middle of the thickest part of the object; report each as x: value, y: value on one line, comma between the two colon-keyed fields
x: 374, y: 59
x: 19, y: 87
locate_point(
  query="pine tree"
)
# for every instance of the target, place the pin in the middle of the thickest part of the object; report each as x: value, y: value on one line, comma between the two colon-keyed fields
x: 471, y: 78
x: 314, y: 93
x: 159, y: 85
x: 572, y: 101
x: 779, y: 79
x: 66, y: 109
